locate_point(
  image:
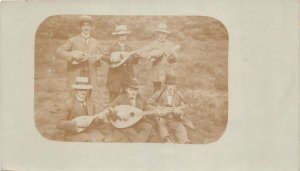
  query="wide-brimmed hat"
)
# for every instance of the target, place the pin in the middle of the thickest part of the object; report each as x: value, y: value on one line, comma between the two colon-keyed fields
x: 132, y: 82
x: 162, y: 27
x: 85, y: 18
x: 82, y: 83
x: 171, y: 78
x: 121, y: 29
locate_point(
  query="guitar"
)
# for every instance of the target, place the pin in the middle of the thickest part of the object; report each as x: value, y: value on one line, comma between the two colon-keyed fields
x: 89, y: 119
x: 129, y: 115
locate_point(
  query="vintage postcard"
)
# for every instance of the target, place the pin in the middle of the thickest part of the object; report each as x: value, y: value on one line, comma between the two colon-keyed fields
x: 148, y: 85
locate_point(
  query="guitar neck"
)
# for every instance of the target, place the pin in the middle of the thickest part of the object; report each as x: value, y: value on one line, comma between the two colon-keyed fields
x: 144, y: 113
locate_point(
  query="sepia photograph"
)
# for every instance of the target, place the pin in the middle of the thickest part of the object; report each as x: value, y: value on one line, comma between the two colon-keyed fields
x: 157, y: 79
x: 149, y: 85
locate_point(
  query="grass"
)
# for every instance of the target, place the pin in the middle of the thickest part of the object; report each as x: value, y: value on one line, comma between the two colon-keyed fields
x: 201, y: 70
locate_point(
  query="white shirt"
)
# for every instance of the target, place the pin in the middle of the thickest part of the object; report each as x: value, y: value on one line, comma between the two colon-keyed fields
x: 122, y: 46
x: 86, y: 38
x: 81, y: 100
x: 169, y: 97
x: 132, y: 100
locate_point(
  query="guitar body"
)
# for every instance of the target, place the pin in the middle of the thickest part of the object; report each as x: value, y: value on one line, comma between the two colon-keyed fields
x: 128, y: 115
x: 121, y: 55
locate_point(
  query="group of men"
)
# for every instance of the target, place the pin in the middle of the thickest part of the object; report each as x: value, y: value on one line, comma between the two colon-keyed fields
x: 83, y: 56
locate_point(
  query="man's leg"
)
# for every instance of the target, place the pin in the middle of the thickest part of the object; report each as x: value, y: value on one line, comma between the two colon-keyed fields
x: 130, y: 133
x: 180, y: 132
x: 144, y: 130
x: 156, y: 86
x: 163, y: 130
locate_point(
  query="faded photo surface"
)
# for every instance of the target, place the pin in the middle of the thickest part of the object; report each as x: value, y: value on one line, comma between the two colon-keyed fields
x: 151, y: 79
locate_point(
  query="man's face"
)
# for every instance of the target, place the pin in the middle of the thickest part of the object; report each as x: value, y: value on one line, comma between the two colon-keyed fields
x: 122, y: 38
x: 161, y: 36
x: 170, y: 88
x: 86, y: 27
x: 131, y: 92
x: 82, y: 93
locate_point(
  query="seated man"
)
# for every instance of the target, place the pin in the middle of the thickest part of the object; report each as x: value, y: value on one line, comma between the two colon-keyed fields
x: 139, y: 132
x: 80, y: 105
x: 171, y: 116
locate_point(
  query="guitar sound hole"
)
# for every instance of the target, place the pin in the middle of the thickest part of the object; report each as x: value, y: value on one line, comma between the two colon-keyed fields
x: 132, y: 114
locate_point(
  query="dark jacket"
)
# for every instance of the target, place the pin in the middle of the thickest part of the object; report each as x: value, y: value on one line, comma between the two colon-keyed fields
x: 123, y: 99
x: 73, y: 71
x: 160, y: 99
x: 72, y: 110
x: 116, y: 76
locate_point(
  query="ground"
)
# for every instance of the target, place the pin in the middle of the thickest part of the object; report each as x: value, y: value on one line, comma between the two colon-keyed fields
x: 201, y: 70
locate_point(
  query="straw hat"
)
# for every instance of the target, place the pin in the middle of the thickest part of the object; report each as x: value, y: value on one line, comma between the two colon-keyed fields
x: 132, y: 82
x: 85, y: 18
x: 121, y: 29
x: 162, y: 27
x: 82, y: 83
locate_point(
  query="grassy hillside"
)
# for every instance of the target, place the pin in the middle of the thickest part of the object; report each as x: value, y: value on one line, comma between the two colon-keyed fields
x: 201, y: 70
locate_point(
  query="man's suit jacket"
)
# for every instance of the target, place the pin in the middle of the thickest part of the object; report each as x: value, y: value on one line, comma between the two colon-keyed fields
x: 123, y: 99
x: 116, y: 76
x: 161, y: 64
x: 160, y: 99
x: 73, y: 71
x: 72, y: 110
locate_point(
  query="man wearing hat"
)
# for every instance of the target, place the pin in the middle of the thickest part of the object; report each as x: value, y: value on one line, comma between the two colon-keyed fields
x: 117, y: 75
x: 139, y: 132
x: 82, y: 54
x: 162, y: 53
x: 172, y: 117
x: 80, y: 105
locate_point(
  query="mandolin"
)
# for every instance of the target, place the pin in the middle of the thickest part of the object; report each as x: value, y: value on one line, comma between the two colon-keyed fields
x: 129, y: 115
x: 89, y: 119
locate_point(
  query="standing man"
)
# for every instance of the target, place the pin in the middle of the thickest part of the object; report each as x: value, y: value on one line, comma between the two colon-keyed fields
x: 117, y: 75
x: 162, y: 53
x: 82, y: 54
x: 139, y: 132
x: 80, y: 105
x: 171, y: 117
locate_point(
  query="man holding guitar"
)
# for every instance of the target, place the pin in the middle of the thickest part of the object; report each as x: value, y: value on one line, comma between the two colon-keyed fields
x: 172, y: 116
x: 82, y: 54
x: 121, y: 67
x: 79, y: 119
x: 162, y: 53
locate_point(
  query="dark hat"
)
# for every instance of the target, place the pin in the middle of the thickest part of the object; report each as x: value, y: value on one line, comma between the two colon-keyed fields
x: 85, y: 18
x: 132, y: 82
x: 170, y: 78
